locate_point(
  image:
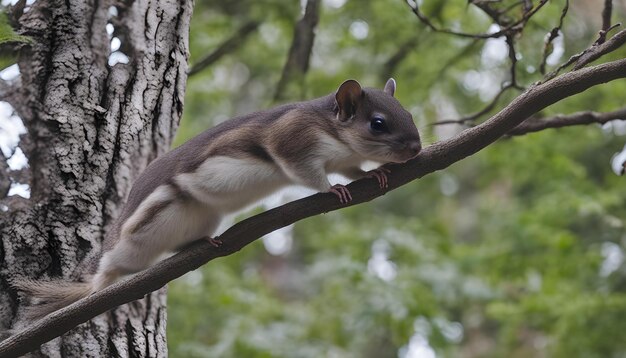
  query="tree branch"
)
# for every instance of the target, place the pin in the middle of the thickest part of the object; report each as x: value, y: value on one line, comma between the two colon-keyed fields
x: 592, y: 53
x: 597, y: 51
x: 301, y: 47
x: 226, y: 47
x: 575, y: 119
x: 553, y: 34
x: 510, y: 42
x: 496, y: 16
x: 480, y: 113
x: 433, y: 158
x: 512, y: 28
x: 606, y: 20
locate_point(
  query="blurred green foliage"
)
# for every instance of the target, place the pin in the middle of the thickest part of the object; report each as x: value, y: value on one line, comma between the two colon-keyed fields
x: 514, y: 252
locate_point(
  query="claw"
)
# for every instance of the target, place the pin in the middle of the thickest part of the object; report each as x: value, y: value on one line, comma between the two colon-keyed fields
x: 214, y: 241
x: 381, y: 175
x: 342, y: 192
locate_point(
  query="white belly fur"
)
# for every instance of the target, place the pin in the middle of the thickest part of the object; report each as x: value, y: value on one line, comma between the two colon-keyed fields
x: 231, y: 184
x: 338, y: 155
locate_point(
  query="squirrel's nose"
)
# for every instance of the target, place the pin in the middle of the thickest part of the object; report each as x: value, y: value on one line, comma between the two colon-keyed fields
x: 415, y: 146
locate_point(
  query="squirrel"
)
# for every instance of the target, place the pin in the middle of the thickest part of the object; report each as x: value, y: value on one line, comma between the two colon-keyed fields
x: 183, y: 195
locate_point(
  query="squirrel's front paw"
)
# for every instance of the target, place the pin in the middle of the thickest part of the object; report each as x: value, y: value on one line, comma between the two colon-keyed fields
x: 214, y: 241
x: 381, y: 175
x: 342, y: 192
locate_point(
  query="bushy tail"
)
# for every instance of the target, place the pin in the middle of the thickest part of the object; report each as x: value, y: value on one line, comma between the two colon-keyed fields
x: 49, y: 296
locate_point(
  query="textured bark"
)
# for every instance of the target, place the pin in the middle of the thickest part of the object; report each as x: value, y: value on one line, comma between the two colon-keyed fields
x: 92, y: 129
x: 559, y: 121
x: 5, y: 182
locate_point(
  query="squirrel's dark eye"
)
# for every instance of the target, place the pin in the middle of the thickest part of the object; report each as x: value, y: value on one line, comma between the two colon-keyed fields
x: 378, y: 124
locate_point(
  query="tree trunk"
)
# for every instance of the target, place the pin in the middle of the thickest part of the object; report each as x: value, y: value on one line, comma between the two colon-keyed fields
x: 92, y: 128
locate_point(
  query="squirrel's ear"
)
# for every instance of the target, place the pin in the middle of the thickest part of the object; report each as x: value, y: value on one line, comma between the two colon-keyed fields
x: 390, y: 87
x: 348, y: 97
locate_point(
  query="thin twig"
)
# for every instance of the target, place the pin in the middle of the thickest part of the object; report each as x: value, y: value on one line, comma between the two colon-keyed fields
x: 226, y: 47
x: 472, y: 117
x: 606, y: 20
x: 512, y: 84
x: 512, y: 28
x: 552, y: 35
x: 580, y: 118
x: 496, y: 16
x: 510, y: 43
x: 597, y: 51
x: 591, y: 53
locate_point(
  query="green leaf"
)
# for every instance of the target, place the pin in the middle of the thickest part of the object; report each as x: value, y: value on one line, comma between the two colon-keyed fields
x: 7, y: 34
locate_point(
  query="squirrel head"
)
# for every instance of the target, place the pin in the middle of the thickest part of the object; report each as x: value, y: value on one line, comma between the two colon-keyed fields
x: 376, y: 125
